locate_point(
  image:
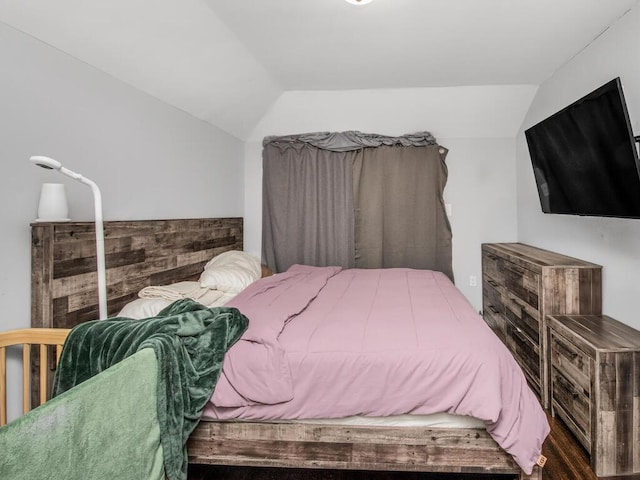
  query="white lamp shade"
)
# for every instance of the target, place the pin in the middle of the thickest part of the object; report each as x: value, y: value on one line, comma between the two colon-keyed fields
x: 53, y: 205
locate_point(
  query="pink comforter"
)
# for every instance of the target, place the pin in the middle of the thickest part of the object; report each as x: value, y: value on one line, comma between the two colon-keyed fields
x: 328, y: 343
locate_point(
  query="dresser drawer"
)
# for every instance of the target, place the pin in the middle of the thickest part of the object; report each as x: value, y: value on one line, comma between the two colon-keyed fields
x: 492, y: 267
x: 496, y: 321
x: 493, y: 306
x: 526, y: 353
x: 492, y: 294
x: 523, y: 283
x: 572, y: 405
x: 524, y: 317
x: 574, y: 364
x: 571, y: 386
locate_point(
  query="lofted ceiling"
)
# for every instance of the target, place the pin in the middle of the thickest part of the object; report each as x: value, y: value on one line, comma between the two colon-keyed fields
x: 227, y: 61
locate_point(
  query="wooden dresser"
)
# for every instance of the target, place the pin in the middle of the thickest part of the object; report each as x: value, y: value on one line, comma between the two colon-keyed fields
x: 521, y: 285
x: 595, y: 388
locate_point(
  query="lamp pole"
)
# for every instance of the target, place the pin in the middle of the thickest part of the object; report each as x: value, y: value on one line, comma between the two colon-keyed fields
x: 51, y: 164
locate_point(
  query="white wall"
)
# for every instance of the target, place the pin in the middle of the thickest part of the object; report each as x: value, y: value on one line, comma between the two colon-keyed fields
x: 612, y: 243
x: 150, y: 160
x: 476, y: 124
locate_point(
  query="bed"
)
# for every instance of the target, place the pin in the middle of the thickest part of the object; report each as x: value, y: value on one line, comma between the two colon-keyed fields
x: 145, y: 253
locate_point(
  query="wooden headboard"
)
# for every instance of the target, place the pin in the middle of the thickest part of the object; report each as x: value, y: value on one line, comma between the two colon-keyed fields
x: 139, y: 253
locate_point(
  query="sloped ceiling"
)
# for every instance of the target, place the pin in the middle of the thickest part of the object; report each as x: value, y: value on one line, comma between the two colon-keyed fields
x: 227, y: 61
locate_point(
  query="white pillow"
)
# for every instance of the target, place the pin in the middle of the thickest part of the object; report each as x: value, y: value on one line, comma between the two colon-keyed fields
x: 144, y: 308
x: 236, y: 257
x: 231, y: 272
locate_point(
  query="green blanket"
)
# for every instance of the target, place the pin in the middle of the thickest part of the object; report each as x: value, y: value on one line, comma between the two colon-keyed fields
x: 104, y: 429
x: 189, y: 341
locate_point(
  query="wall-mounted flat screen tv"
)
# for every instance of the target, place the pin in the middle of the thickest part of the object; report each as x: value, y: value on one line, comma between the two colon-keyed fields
x: 585, y: 159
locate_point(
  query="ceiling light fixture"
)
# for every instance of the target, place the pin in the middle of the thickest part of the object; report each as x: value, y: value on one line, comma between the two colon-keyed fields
x: 358, y: 2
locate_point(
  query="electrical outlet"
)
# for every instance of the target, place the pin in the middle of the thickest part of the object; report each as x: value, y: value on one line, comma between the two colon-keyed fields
x: 473, y: 281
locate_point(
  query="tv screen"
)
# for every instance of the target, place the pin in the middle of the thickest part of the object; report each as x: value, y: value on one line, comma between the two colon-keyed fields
x: 584, y: 157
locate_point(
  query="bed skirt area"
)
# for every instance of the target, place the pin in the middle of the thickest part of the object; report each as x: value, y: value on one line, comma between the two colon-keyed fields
x: 319, y: 446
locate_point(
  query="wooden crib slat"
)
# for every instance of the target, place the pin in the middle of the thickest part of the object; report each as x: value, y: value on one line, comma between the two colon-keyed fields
x: 44, y: 362
x: 3, y: 382
x: 25, y: 339
x: 26, y: 377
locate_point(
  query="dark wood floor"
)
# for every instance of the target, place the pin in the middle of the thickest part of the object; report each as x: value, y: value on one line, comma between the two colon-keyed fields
x: 566, y: 460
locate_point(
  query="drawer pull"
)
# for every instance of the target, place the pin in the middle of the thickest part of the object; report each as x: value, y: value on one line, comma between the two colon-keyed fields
x: 519, y: 302
x: 565, y: 351
x: 515, y: 270
x: 525, y: 307
x: 493, y: 309
x: 493, y: 283
x: 520, y: 333
x: 567, y: 387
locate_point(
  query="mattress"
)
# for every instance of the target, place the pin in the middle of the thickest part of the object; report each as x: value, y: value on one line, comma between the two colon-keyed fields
x: 329, y: 343
x: 435, y: 420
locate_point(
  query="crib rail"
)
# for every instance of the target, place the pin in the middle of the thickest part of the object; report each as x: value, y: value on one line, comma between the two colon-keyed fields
x: 29, y: 338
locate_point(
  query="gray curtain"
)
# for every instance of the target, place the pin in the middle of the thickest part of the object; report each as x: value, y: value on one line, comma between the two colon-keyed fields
x: 400, y: 218
x: 307, y: 211
x: 351, y: 140
x: 355, y: 199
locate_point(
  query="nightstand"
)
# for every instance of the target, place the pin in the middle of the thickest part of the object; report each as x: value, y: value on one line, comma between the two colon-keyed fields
x: 595, y: 388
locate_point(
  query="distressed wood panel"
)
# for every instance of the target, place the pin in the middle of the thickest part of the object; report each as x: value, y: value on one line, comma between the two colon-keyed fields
x: 534, y: 258
x: 342, y: 447
x: 535, y: 283
x: 138, y: 254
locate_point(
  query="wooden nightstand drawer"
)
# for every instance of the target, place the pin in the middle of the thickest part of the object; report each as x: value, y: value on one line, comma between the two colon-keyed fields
x: 572, y: 362
x: 573, y: 406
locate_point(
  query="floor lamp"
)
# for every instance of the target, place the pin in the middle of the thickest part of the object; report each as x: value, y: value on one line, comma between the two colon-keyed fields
x: 51, y: 164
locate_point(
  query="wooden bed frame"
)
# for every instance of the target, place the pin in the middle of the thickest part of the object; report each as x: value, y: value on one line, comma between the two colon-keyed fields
x: 159, y: 252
